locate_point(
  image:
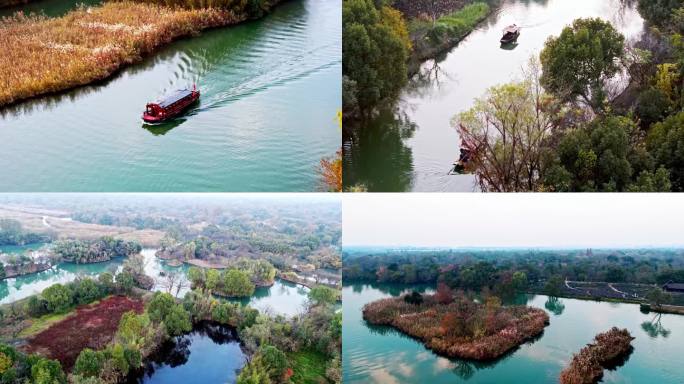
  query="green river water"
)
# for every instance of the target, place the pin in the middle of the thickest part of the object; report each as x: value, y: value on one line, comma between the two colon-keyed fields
x: 270, y: 93
x: 372, y: 354
x: 412, y: 146
x: 282, y: 298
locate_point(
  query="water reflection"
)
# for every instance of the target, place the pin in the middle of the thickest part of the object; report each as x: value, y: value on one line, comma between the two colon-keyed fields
x: 211, y: 353
x: 378, y: 157
x: 655, y: 328
x: 554, y: 305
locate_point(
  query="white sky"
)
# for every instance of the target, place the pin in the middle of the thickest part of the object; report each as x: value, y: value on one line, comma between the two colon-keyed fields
x: 513, y: 220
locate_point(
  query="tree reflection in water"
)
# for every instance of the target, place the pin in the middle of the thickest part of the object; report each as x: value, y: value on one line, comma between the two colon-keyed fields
x: 554, y: 305
x: 655, y: 328
x: 377, y: 157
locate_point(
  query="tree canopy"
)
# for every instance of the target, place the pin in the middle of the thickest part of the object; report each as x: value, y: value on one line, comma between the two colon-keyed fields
x: 579, y: 61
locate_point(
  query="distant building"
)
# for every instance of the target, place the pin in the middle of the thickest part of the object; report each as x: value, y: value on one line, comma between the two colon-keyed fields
x: 674, y: 287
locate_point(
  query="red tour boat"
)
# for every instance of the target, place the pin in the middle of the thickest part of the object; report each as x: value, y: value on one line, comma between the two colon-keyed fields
x: 170, y: 106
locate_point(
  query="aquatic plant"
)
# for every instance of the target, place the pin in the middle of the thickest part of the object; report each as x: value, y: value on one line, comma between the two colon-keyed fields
x: 88, y: 44
x: 587, y: 366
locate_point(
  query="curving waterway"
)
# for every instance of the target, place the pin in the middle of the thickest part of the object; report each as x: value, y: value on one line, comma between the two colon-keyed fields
x: 413, y: 146
x: 373, y: 354
x: 270, y: 93
x: 282, y: 298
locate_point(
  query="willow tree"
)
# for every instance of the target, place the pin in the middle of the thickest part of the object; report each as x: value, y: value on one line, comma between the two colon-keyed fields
x: 508, y: 128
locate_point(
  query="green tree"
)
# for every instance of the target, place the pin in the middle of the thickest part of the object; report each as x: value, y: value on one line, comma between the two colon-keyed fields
x: 375, y: 49
x: 58, y: 297
x: 577, y: 63
x: 213, y: 278
x: 177, y: 321
x: 125, y: 281
x: 554, y: 286
x: 599, y: 157
x: 89, y: 363
x: 658, y: 297
x: 275, y: 361
x: 44, y: 371
x: 237, y: 283
x: 658, y: 12
x: 87, y: 291
x: 196, y: 276
x: 519, y: 281
x: 254, y: 372
x: 665, y: 142
x: 133, y: 328
x: 160, y: 306
x: 323, y: 295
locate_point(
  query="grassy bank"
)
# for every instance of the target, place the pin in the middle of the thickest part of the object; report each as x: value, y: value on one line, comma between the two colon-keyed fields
x: 308, y: 366
x: 432, y: 38
x: 86, y: 45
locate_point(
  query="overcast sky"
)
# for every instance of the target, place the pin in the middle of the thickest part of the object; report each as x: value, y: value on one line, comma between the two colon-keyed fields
x: 513, y: 220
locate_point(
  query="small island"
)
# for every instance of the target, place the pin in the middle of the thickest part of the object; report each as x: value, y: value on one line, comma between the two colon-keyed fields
x: 608, y: 348
x: 457, y: 326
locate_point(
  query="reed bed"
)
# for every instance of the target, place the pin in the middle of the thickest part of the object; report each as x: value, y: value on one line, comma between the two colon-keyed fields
x: 462, y: 328
x: 587, y: 366
x: 42, y: 55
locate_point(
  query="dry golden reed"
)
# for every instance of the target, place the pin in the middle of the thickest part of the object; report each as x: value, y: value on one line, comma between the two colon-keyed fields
x: 42, y: 55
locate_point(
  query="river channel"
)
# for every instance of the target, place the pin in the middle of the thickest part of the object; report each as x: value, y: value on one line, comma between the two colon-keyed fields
x: 270, y: 93
x: 412, y: 146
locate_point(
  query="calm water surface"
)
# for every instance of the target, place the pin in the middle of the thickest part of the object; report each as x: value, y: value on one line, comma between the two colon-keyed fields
x: 271, y: 90
x: 210, y: 354
x: 373, y: 354
x: 414, y: 146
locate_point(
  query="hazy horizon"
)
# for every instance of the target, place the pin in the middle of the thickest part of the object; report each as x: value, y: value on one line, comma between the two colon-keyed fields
x: 522, y: 221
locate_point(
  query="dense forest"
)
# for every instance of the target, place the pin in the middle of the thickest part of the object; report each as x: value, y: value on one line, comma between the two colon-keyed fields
x: 506, y: 271
x: 93, y: 251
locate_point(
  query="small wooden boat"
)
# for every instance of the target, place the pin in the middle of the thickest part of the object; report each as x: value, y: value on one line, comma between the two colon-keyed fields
x: 172, y: 105
x: 511, y: 34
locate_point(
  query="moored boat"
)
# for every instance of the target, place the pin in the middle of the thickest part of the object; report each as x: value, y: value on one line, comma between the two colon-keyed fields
x: 170, y: 106
x: 511, y: 34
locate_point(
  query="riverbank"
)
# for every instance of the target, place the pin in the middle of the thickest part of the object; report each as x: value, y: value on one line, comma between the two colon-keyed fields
x: 88, y: 45
x: 433, y: 38
x: 11, y: 271
x: 456, y: 328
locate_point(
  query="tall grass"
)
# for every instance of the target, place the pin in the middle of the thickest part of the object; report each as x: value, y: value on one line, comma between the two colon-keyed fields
x: 42, y: 55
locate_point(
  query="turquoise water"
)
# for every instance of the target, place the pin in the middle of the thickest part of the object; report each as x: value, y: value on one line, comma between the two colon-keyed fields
x: 282, y: 298
x: 20, y: 248
x: 374, y: 354
x: 270, y: 93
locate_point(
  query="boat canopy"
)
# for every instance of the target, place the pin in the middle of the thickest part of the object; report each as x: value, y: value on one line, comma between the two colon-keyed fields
x: 174, y: 98
x: 511, y: 29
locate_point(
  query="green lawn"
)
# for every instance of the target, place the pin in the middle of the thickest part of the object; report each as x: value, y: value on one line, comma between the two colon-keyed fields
x: 308, y: 366
x: 42, y: 323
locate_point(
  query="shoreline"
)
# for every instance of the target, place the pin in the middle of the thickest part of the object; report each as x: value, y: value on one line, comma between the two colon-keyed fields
x: 104, y: 62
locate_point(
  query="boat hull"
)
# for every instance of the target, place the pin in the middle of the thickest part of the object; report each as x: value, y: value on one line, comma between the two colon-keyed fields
x: 172, y: 111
